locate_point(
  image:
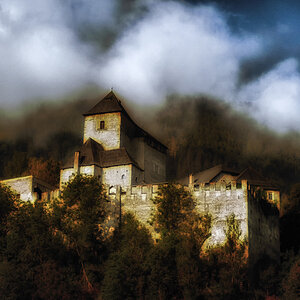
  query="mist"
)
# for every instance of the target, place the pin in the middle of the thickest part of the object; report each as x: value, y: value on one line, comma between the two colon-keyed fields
x: 146, y: 50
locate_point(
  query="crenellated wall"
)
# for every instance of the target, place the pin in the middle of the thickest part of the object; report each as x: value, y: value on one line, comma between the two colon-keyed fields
x: 220, y: 201
x: 258, y: 219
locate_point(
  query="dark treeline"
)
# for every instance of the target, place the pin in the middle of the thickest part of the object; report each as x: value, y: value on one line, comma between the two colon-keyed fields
x: 63, y: 250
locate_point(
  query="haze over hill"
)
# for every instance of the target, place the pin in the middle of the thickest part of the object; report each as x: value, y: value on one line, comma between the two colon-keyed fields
x: 200, y: 132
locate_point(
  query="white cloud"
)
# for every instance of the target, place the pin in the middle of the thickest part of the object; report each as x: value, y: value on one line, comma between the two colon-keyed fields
x: 177, y: 49
x: 41, y: 55
x: 174, y: 48
x: 275, y: 96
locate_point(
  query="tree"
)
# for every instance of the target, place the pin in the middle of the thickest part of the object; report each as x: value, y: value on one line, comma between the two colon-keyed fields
x: 176, y: 263
x: 127, y: 267
x: 227, y: 265
x: 45, y: 169
x: 291, y: 281
x: 79, y: 217
x: 30, y: 243
x: 8, y: 203
x: 173, y: 204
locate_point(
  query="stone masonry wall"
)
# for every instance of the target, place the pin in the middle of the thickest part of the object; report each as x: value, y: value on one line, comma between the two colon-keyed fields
x: 263, y: 229
x: 22, y: 186
x: 258, y: 224
x: 221, y: 201
x: 155, y: 165
x: 109, y: 137
x: 216, y: 200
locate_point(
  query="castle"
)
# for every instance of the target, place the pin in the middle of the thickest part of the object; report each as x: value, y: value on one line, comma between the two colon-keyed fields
x: 116, y: 149
x: 132, y: 164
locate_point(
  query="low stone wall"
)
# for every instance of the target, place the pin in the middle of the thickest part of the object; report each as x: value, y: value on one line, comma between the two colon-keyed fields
x: 22, y: 186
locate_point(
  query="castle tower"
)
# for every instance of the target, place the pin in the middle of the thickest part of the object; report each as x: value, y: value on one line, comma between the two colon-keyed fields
x: 102, y: 123
x: 116, y: 149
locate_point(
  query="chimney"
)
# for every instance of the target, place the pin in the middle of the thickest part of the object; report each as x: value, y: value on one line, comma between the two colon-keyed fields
x: 76, y: 162
x: 190, y: 179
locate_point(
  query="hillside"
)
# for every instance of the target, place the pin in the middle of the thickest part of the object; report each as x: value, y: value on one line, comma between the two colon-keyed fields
x: 198, y: 131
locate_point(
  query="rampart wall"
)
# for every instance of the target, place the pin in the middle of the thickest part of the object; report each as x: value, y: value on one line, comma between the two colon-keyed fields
x: 258, y: 219
x: 218, y: 200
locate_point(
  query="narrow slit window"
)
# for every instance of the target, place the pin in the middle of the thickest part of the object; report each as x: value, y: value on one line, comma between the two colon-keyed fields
x: 102, y: 125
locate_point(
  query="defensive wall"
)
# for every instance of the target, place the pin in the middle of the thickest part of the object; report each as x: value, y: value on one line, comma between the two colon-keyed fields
x: 219, y: 201
x: 258, y: 219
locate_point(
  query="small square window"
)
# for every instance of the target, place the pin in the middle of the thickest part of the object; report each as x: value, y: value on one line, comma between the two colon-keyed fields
x: 270, y: 196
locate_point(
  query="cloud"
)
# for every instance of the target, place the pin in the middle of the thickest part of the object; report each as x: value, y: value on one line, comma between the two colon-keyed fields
x: 275, y: 96
x: 158, y: 48
x: 177, y: 49
x: 41, y: 55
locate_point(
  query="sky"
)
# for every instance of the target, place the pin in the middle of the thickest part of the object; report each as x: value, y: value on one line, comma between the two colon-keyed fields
x: 242, y: 52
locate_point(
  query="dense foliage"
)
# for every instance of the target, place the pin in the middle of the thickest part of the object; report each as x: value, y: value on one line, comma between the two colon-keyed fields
x: 61, y: 250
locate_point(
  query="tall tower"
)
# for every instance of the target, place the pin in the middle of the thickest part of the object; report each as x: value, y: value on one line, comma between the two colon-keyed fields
x: 102, y: 123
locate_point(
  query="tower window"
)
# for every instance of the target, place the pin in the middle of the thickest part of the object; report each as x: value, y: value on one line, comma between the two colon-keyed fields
x: 102, y: 125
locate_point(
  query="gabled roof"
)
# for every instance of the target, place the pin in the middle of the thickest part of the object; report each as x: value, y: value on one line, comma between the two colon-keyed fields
x: 255, y: 178
x: 92, y: 153
x: 110, y: 103
x: 209, y: 175
x: 212, y: 175
x: 116, y: 157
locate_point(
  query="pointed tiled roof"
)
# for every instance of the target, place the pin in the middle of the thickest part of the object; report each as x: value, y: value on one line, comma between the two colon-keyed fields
x: 255, y: 178
x: 116, y: 157
x: 249, y: 174
x: 92, y: 153
x: 209, y: 175
x: 110, y: 103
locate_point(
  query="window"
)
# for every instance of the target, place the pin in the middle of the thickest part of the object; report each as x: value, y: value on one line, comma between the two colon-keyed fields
x: 155, y: 168
x: 102, y: 125
x: 270, y: 196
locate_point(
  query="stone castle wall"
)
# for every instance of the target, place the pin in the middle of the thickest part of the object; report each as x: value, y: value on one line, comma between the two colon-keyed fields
x: 219, y: 201
x: 264, y: 239
x: 258, y: 225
